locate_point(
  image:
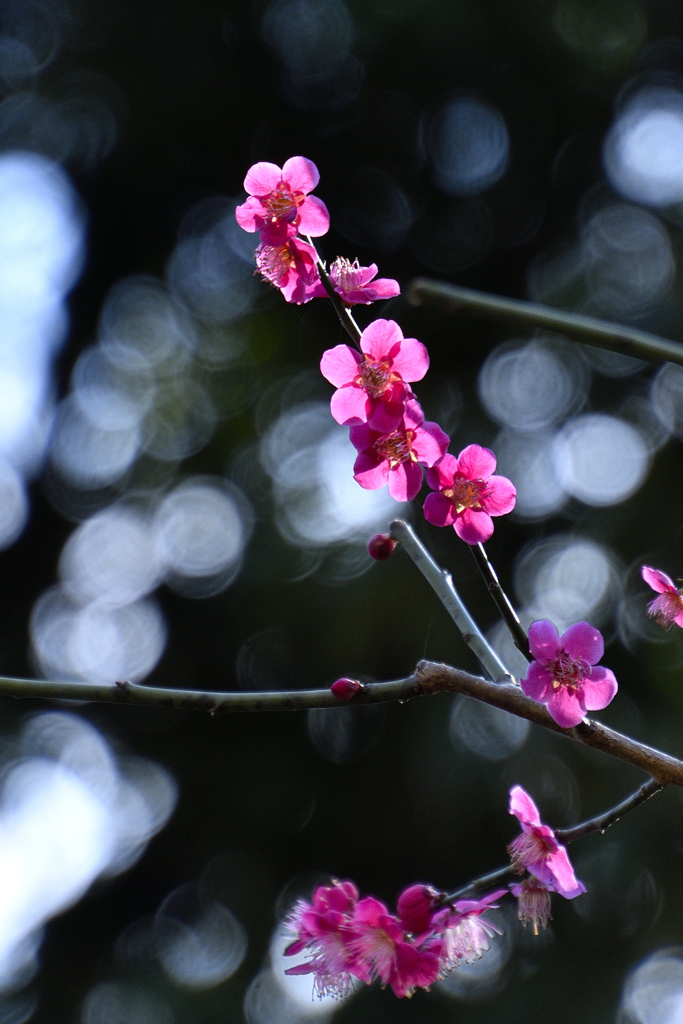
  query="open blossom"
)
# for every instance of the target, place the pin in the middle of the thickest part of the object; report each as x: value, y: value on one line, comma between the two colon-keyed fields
x: 281, y: 197
x: 288, y: 263
x: 537, y: 850
x: 323, y: 930
x: 373, y: 387
x: 396, y: 458
x: 668, y: 607
x: 534, y: 903
x: 466, y: 932
x: 356, y: 284
x: 564, y: 674
x: 466, y: 494
x: 383, y: 951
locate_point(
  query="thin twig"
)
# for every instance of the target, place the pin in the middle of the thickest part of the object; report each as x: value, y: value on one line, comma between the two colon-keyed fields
x: 587, y: 329
x: 566, y: 835
x: 341, y: 309
x: 442, y: 584
x: 502, y: 601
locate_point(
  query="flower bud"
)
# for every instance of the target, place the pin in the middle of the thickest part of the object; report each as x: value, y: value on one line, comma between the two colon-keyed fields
x: 381, y: 546
x: 346, y: 689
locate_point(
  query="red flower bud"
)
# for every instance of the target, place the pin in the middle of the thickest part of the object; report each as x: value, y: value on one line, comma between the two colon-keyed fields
x: 346, y: 689
x: 381, y: 546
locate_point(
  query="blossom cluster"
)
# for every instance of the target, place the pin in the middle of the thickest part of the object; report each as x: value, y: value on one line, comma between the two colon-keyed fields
x: 349, y: 939
x: 373, y: 396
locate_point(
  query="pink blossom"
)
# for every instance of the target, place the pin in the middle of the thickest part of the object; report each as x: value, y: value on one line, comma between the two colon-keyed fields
x: 356, y: 284
x: 382, y: 951
x: 668, y: 607
x: 466, y: 494
x: 323, y: 930
x: 281, y: 197
x: 537, y: 850
x: 534, y: 903
x: 416, y: 907
x: 289, y: 264
x: 381, y: 546
x: 373, y: 387
x: 346, y: 689
x: 466, y: 932
x: 396, y: 458
x: 564, y: 674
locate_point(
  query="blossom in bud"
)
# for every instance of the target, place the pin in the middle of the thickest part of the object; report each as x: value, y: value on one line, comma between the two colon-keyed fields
x: 322, y: 928
x: 281, y: 197
x: 466, y: 932
x: 396, y: 458
x: 373, y: 384
x: 466, y: 494
x: 288, y: 263
x: 668, y: 607
x: 383, y: 951
x: 346, y: 689
x: 416, y: 907
x: 534, y: 903
x: 564, y: 674
x: 537, y: 850
x: 356, y: 284
x: 381, y: 546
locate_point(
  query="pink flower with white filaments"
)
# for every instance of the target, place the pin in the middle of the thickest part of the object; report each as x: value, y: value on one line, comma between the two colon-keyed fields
x: 288, y: 263
x: 373, y: 385
x: 564, y: 674
x: 396, y: 458
x: 668, y: 607
x: 466, y: 494
x: 537, y: 850
x: 282, y: 197
x: 356, y: 285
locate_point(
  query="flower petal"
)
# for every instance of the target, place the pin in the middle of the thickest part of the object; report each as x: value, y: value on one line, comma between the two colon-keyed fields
x: 544, y: 640
x: 599, y: 688
x: 412, y: 360
x: 340, y: 365
x: 564, y: 707
x: 430, y: 443
x: 500, y: 496
x: 314, y: 218
x: 349, y: 406
x: 300, y: 174
x: 583, y: 641
x: 441, y: 476
x: 370, y: 473
x: 657, y: 579
x: 476, y: 463
x: 474, y: 527
x: 379, y: 337
x: 362, y: 437
x: 405, y: 481
x: 385, y: 416
x: 262, y: 178
x: 523, y: 807
x: 250, y: 215
x: 564, y: 880
x: 538, y: 683
x: 438, y: 510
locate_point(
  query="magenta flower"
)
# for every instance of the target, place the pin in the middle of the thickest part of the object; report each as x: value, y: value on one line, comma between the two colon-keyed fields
x: 565, y: 675
x: 534, y: 903
x: 416, y: 907
x: 466, y: 932
x: 537, y: 850
x: 373, y: 387
x: 382, y: 951
x: 323, y: 929
x: 668, y: 607
x: 281, y: 197
x: 466, y: 494
x: 397, y: 458
x: 289, y: 264
x: 356, y: 284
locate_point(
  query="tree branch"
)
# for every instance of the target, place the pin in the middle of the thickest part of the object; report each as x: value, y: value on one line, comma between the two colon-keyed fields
x: 341, y: 309
x: 442, y: 584
x: 587, y: 329
x: 502, y: 601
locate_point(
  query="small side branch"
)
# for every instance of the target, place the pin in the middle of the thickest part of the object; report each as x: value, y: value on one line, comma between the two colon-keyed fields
x: 345, y: 315
x: 587, y: 329
x: 442, y: 584
x: 502, y: 601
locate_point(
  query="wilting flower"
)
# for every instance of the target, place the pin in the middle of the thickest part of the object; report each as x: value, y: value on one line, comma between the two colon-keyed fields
x: 281, y: 197
x: 537, y: 850
x: 356, y: 284
x: 323, y: 930
x: 466, y: 494
x: 466, y: 932
x: 373, y: 387
x: 381, y: 950
x: 534, y: 903
x: 564, y: 674
x: 396, y: 458
x: 668, y: 607
x: 288, y: 263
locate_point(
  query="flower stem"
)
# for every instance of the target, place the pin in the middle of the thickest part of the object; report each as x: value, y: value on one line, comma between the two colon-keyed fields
x: 587, y: 329
x: 566, y: 835
x: 502, y: 601
x: 341, y: 309
x: 442, y: 584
